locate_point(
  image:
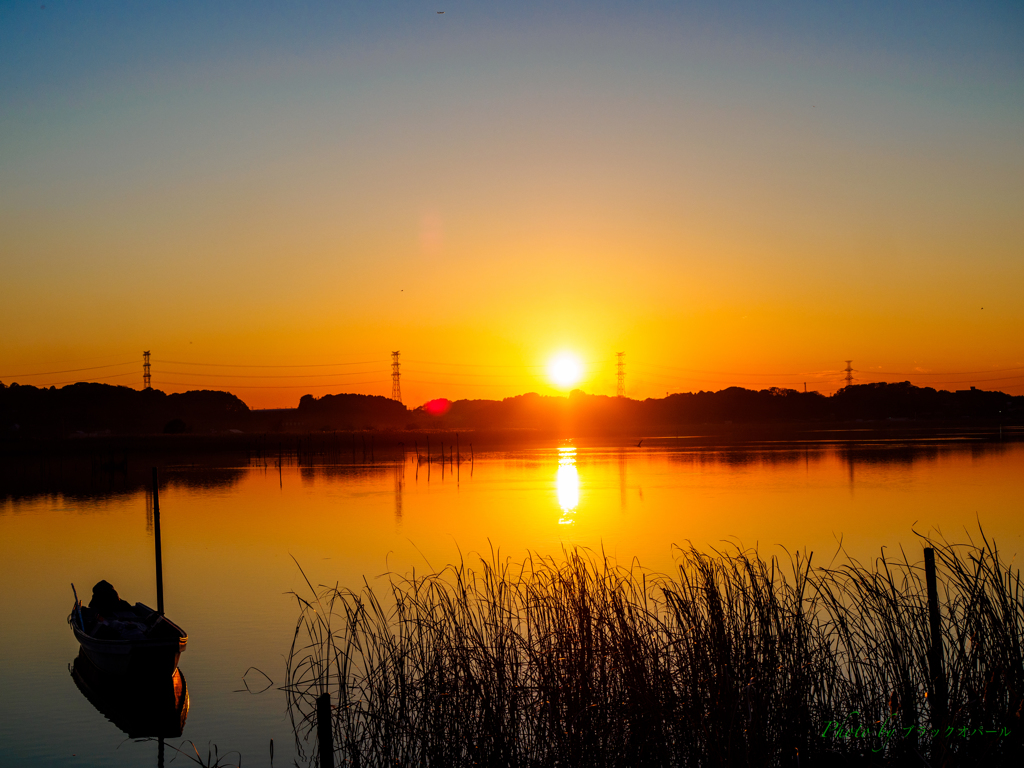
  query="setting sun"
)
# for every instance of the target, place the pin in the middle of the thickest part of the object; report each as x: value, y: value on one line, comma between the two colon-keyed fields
x: 565, y: 370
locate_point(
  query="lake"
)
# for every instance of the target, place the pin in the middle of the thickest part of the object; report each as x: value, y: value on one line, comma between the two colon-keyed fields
x: 234, y: 538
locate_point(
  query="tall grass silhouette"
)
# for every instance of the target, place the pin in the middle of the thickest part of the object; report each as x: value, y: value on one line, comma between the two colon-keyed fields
x: 731, y: 660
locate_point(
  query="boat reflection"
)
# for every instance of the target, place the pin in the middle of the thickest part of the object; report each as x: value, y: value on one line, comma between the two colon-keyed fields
x: 146, y: 708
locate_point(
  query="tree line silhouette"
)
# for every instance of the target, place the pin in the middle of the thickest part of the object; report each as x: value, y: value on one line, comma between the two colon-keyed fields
x: 86, y: 409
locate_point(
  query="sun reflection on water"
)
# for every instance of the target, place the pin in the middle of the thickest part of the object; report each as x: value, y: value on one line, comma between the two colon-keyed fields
x: 567, y: 483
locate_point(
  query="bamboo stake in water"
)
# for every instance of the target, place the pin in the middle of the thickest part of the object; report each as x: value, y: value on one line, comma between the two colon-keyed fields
x: 938, y: 695
x: 159, y: 553
x: 323, y: 730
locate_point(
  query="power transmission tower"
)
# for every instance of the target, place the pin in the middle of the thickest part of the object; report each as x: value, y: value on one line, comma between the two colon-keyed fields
x: 620, y: 372
x: 849, y: 372
x: 396, y: 384
x: 145, y: 370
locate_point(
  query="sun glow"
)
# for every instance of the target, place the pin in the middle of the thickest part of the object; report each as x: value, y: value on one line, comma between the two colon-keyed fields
x: 565, y: 370
x: 567, y: 485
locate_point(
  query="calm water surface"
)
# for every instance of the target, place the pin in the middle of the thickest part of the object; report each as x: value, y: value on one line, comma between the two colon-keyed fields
x: 230, y: 536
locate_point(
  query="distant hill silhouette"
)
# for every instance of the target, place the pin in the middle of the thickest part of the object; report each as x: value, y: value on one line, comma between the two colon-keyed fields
x: 93, y: 409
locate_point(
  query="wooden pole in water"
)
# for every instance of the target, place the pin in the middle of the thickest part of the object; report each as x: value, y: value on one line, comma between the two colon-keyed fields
x: 159, y: 552
x: 324, y: 736
x: 938, y: 695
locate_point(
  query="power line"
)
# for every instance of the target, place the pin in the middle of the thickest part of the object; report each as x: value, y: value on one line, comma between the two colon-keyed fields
x: 776, y: 382
x: 83, y: 359
x: 591, y: 363
x: 475, y: 375
x: 475, y: 365
x: 235, y: 365
x: 946, y: 373
x: 280, y: 386
x: 318, y: 375
x: 733, y: 373
x: 978, y: 381
x: 69, y: 370
x: 267, y: 375
x: 92, y: 379
x: 981, y: 381
x: 461, y: 383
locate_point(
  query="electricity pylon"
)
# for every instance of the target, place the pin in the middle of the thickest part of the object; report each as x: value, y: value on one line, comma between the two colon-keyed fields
x: 396, y: 383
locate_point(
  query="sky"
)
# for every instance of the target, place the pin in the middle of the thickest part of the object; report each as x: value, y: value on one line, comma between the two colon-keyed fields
x: 272, y: 197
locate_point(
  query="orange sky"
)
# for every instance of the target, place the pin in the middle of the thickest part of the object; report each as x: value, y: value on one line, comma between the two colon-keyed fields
x: 728, y: 199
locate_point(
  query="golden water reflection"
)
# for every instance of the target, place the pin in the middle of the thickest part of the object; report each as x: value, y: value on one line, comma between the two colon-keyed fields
x: 230, y: 535
x: 567, y: 484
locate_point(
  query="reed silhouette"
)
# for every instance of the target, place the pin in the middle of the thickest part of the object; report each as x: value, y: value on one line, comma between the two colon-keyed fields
x: 732, y: 660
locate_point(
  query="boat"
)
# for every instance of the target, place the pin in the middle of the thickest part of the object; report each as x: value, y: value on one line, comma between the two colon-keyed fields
x: 147, y: 708
x: 128, y: 640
